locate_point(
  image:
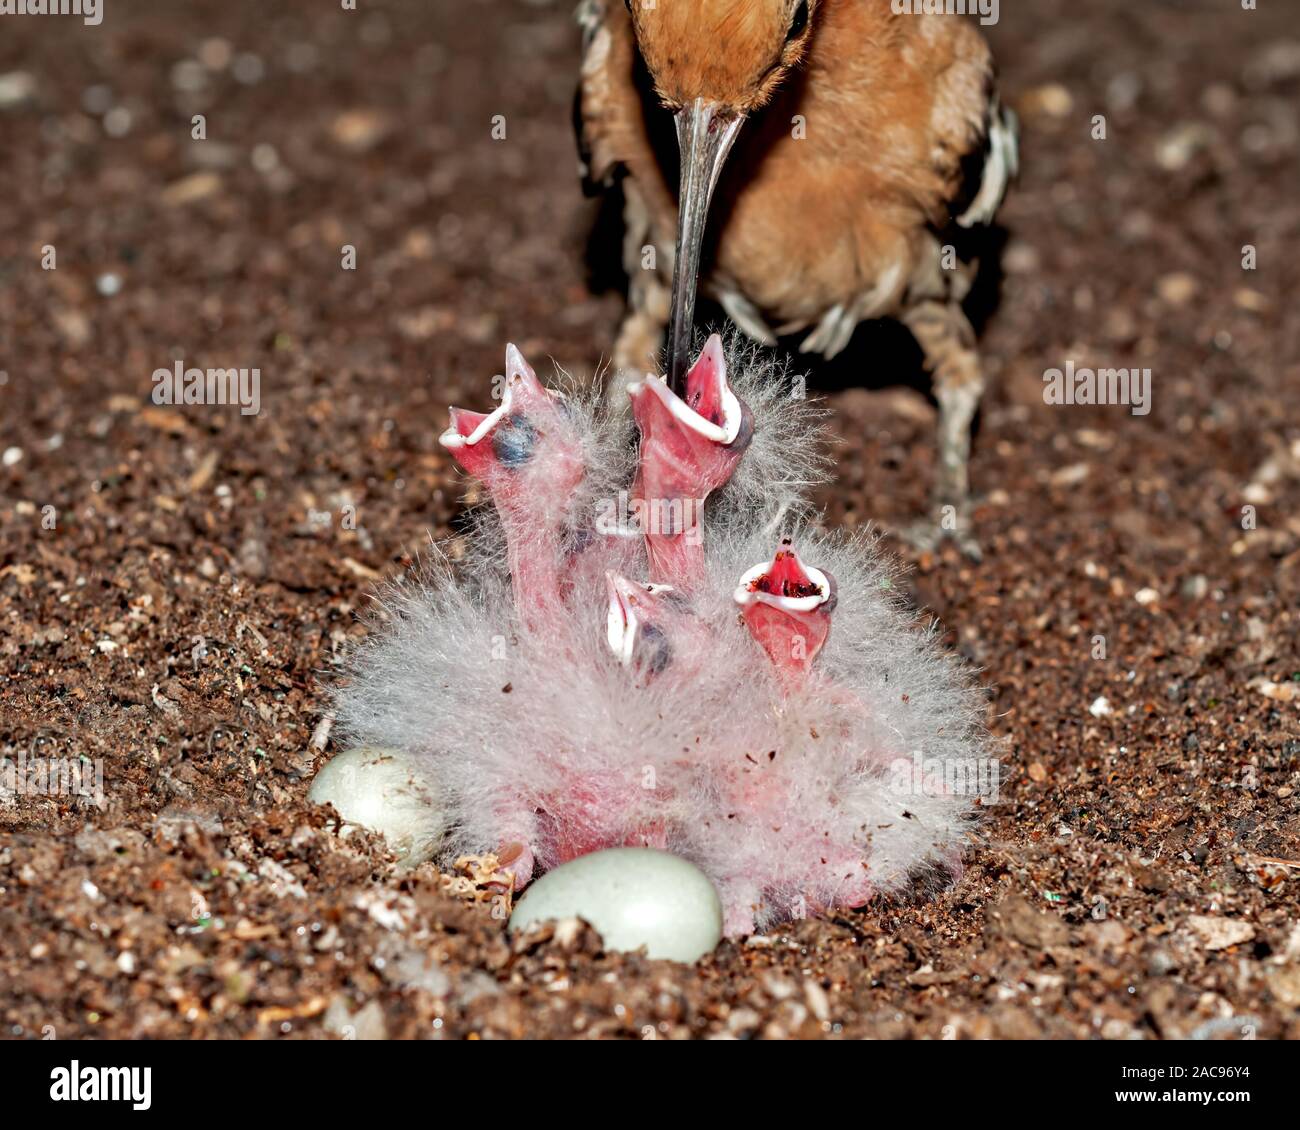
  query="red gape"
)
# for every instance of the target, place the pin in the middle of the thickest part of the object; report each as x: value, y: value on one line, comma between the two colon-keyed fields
x: 689, y: 448
x: 787, y: 608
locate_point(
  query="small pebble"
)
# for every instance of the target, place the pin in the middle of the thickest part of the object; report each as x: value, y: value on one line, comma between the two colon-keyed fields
x: 215, y: 54
x: 265, y: 159
x: 1100, y: 707
x: 1176, y: 148
x: 117, y: 122
x: 189, y: 76
x: 17, y: 88
x: 1195, y: 587
x: 248, y: 69
x: 1177, y: 288
x: 97, y: 99
x: 1220, y: 933
x: 1052, y: 100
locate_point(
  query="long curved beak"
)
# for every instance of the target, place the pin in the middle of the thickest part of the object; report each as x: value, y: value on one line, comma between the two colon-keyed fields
x: 705, y: 133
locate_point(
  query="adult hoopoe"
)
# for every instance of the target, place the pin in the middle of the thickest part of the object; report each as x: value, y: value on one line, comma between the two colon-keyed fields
x: 863, y: 144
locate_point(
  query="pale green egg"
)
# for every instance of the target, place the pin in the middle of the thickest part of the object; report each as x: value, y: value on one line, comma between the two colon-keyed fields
x: 382, y: 790
x: 634, y: 897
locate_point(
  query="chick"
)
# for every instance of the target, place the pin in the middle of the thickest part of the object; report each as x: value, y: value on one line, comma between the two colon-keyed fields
x: 737, y: 688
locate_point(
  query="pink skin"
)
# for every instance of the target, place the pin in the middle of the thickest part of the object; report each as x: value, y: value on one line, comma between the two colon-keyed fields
x: 740, y: 901
x: 689, y: 448
x: 787, y: 608
x: 594, y: 808
x: 528, y: 458
x: 647, y: 628
x: 516, y: 857
x: 650, y: 627
x: 593, y: 819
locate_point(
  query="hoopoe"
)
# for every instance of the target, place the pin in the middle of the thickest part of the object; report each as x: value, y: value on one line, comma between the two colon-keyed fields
x: 865, y: 145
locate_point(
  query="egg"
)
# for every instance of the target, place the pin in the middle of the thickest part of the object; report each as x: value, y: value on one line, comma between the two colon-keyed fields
x: 382, y: 790
x: 634, y: 897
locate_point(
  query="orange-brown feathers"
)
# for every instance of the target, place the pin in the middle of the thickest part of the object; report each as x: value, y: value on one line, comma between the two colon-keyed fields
x: 731, y: 52
x: 831, y: 197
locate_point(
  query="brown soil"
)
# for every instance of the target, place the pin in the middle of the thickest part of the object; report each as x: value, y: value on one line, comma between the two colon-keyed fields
x: 1142, y: 875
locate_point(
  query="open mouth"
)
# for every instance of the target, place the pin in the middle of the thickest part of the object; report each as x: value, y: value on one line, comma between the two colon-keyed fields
x: 785, y: 583
x: 514, y: 441
x: 709, y: 409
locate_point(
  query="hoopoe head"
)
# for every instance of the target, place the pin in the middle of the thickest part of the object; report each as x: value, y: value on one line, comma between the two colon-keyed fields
x: 731, y: 53
x: 713, y: 62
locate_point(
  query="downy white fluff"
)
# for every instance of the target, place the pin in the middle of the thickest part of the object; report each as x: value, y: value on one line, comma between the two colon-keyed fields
x: 590, y: 719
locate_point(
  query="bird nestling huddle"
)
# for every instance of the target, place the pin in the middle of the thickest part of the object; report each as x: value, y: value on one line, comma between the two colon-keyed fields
x: 717, y: 679
x: 858, y: 149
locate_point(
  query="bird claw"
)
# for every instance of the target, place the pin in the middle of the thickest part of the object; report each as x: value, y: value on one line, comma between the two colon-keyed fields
x: 689, y: 447
x: 518, y: 861
x: 926, y: 537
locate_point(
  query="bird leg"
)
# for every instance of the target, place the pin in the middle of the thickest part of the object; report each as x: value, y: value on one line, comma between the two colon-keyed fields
x: 787, y: 607
x: 516, y: 857
x: 689, y: 448
x: 528, y: 458
x: 948, y: 342
x: 641, y: 336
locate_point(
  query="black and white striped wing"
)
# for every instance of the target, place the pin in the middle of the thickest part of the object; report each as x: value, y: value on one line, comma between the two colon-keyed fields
x: 989, y: 170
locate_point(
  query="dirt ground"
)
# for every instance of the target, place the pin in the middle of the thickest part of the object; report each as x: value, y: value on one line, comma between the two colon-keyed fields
x: 177, y: 585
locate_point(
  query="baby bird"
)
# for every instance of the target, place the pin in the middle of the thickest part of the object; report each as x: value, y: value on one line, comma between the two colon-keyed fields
x: 642, y: 646
x: 864, y: 146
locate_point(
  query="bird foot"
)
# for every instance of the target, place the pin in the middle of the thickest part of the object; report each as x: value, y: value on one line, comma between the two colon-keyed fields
x: 954, y: 524
x: 517, y: 860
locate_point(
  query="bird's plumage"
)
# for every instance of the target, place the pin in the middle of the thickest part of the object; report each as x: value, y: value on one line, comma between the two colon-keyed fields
x: 828, y: 210
x: 846, y: 185
x: 600, y: 712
